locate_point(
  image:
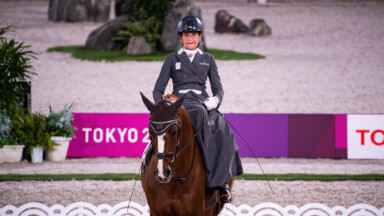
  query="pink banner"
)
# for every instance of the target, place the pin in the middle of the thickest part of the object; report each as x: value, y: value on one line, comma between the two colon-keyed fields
x: 341, y: 131
x: 269, y: 135
x: 109, y: 135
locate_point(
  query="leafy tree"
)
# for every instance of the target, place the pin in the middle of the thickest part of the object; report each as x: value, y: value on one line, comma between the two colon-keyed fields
x: 15, y: 68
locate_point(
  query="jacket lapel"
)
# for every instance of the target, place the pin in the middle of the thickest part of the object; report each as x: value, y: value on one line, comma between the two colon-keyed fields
x: 183, y: 58
x: 196, y: 61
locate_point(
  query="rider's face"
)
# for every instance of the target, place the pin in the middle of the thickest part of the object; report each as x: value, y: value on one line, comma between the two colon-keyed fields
x: 190, y: 40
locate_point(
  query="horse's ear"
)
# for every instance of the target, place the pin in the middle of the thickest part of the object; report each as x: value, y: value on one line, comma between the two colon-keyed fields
x: 147, y: 102
x: 175, y: 106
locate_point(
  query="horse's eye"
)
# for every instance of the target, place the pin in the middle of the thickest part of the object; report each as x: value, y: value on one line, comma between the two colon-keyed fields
x: 173, y: 133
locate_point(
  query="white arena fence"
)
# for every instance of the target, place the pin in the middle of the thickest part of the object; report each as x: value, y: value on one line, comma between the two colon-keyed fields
x: 263, y: 209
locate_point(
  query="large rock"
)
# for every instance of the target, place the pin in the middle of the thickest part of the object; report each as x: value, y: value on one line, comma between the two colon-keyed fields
x: 78, y: 10
x: 226, y: 23
x: 101, y: 38
x: 170, y: 36
x: 258, y: 27
x: 138, y: 45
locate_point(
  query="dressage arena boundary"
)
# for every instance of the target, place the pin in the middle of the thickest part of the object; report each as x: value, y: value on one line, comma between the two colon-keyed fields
x: 120, y: 209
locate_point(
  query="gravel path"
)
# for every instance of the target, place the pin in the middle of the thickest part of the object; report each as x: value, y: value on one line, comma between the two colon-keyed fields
x: 132, y: 165
x: 345, y: 193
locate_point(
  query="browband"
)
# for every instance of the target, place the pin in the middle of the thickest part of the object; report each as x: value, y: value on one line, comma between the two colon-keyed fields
x: 160, y: 127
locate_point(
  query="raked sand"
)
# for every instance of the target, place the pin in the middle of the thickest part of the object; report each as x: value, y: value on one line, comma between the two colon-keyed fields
x: 322, y: 57
x: 344, y: 193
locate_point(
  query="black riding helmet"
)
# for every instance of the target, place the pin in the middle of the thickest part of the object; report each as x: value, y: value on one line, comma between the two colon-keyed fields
x: 189, y: 23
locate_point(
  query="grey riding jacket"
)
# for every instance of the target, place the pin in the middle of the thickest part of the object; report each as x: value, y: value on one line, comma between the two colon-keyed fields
x: 188, y: 75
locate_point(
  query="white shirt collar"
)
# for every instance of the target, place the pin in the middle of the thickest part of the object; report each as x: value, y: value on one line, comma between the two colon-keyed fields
x: 181, y: 50
x: 190, y: 52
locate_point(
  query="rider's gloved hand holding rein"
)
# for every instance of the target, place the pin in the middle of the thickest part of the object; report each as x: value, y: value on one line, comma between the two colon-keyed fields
x: 211, y: 103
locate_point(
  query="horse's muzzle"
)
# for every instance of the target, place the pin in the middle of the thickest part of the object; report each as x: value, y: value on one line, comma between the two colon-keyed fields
x: 167, y: 176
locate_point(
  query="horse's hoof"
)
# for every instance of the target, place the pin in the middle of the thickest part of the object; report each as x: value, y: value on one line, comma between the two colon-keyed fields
x: 225, y: 194
x: 225, y: 198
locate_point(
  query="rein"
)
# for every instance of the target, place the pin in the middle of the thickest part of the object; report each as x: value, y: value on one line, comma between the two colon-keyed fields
x: 194, y: 151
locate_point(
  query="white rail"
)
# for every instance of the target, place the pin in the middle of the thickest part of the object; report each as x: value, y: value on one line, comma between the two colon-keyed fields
x: 270, y: 209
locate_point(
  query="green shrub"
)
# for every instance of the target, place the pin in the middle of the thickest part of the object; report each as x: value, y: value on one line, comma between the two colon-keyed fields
x: 142, y: 9
x: 32, y: 129
x: 148, y: 28
x: 15, y: 68
x: 60, y: 123
x: 146, y: 18
x: 5, y: 126
x: 5, y: 130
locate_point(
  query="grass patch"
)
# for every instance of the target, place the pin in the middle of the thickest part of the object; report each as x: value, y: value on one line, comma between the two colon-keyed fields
x: 83, y: 53
x: 67, y: 177
x: 314, y: 177
x: 130, y: 176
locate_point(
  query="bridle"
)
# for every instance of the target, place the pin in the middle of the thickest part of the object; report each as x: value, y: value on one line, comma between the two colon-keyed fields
x: 161, y: 127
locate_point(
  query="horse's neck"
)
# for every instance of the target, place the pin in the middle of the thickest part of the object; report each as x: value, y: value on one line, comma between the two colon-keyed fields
x: 186, y: 125
x: 186, y: 157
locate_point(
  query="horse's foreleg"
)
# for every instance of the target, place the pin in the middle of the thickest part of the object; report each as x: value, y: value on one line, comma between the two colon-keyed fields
x: 211, y: 202
x: 210, y: 212
x: 153, y: 213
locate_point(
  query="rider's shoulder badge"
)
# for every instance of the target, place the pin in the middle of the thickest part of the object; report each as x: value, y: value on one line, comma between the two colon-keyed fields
x: 177, y: 65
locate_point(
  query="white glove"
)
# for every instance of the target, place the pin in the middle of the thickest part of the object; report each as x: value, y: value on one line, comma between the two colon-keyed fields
x: 211, y: 103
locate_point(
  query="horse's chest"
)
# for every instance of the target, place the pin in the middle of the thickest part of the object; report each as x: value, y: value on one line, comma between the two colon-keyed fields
x: 174, y: 202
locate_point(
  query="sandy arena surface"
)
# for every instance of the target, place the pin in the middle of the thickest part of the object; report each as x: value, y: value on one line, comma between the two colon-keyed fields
x: 250, y: 165
x: 323, y: 57
x: 344, y: 193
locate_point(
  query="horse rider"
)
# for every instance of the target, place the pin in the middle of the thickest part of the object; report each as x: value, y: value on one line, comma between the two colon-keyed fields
x: 189, y: 68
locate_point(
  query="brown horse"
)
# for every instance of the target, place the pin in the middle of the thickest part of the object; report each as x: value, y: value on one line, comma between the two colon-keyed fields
x: 174, y: 180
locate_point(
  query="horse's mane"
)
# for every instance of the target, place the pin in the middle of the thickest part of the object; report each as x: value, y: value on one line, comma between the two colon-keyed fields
x: 181, y: 113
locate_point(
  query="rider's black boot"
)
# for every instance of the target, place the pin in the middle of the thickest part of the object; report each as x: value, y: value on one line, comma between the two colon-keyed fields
x: 225, y: 193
